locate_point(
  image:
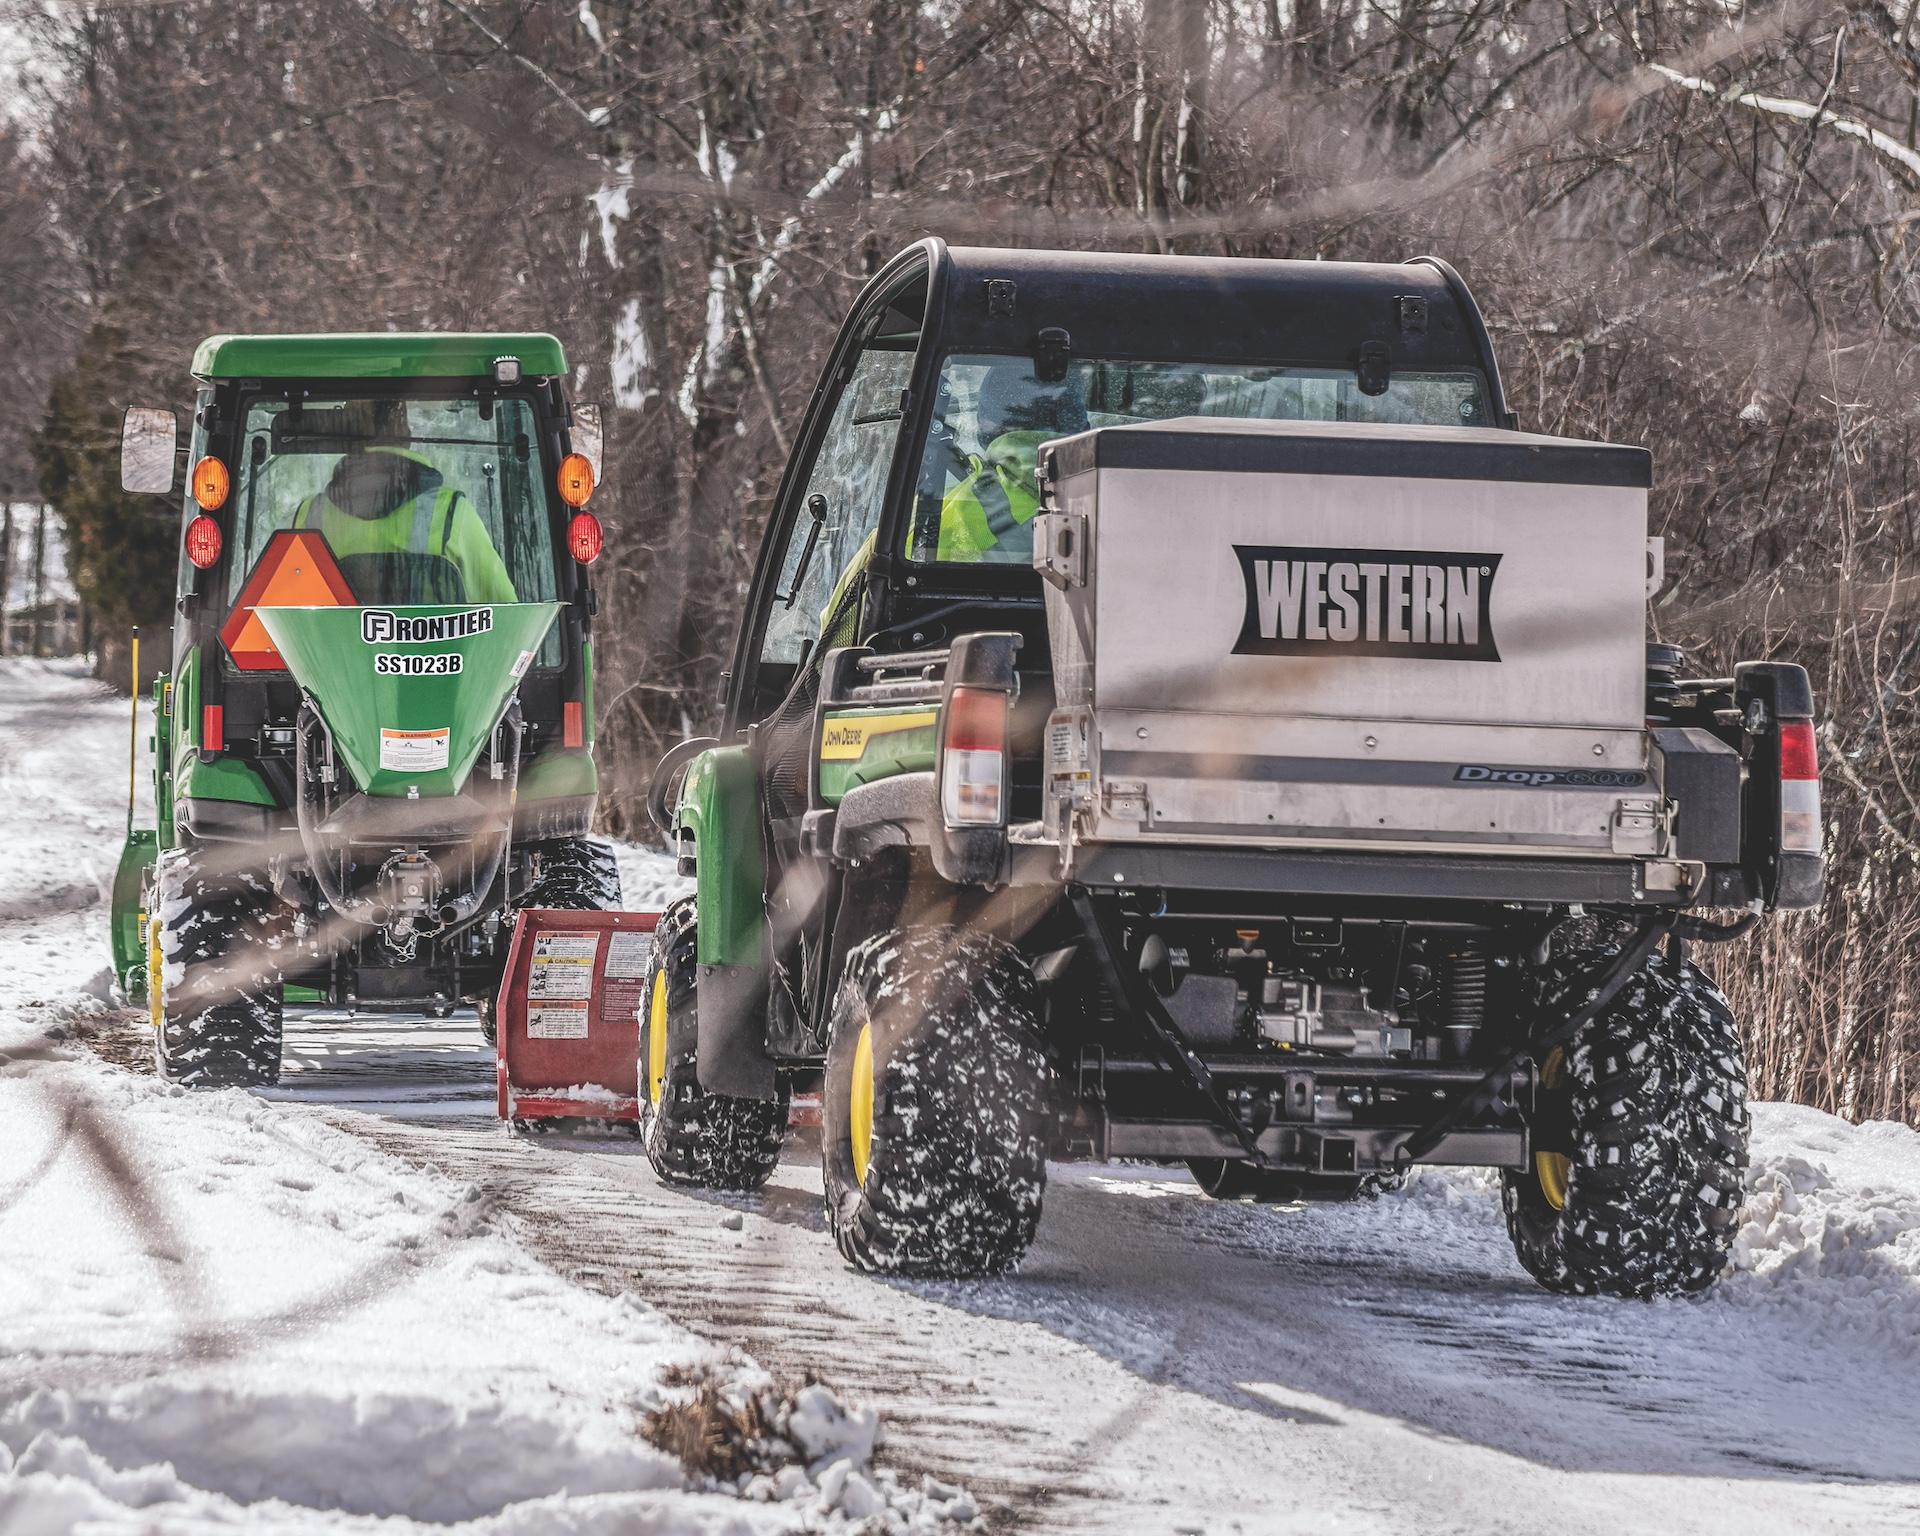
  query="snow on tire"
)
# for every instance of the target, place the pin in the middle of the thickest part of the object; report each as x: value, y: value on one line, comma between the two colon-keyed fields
x: 693, y: 1137
x: 1649, y: 1199
x: 216, y: 1009
x: 952, y: 1141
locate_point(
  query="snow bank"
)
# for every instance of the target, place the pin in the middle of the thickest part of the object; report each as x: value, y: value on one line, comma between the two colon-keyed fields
x: 649, y: 881
x: 1832, y: 1217
x: 216, y: 1310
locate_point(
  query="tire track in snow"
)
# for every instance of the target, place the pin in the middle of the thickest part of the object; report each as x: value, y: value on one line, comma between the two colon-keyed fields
x: 679, y: 1255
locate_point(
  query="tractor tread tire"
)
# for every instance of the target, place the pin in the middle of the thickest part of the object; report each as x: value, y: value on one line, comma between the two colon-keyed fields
x: 1660, y: 1129
x: 574, y: 874
x: 957, y: 1167
x: 695, y: 1138
x: 218, y: 1015
x: 571, y: 874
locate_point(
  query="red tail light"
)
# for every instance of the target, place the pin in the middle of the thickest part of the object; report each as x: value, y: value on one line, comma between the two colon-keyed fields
x: 573, y: 728
x: 203, y: 541
x: 584, y: 538
x: 973, y: 758
x: 1799, y: 753
x: 213, y: 728
x: 1799, y: 788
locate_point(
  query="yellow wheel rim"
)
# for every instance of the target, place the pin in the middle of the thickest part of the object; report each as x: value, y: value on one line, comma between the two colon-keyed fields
x: 156, y: 1006
x: 657, y: 1041
x: 1554, y: 1170
x: 860, y: 1104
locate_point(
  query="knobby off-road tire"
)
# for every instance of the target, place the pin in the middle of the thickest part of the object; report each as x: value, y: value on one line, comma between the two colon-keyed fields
x: 708, y: 1140
x: 214, y: 944
x: 1648, y: 1202
x: 933, y: 1115
x: 574, y: 874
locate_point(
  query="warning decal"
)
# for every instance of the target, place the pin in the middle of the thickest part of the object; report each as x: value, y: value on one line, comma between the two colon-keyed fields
x: 557, y: 1021
x: 413, y: 751
x: 563, y: 968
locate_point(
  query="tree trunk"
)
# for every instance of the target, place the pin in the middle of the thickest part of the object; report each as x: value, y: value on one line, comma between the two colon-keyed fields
x: 40, y: 615
x: 6, y: 572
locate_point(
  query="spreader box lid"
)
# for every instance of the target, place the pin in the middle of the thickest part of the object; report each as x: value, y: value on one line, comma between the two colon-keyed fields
x: 1419, y: 452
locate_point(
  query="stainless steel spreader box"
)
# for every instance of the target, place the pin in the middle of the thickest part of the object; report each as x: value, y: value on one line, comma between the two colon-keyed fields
x: 1324, y: 633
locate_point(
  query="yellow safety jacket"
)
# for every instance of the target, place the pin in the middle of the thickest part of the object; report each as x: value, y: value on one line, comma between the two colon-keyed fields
x: 997, y: 498
x: 435, y: 520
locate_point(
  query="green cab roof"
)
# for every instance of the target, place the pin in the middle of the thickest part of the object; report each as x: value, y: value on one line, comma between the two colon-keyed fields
x: 377, y: 355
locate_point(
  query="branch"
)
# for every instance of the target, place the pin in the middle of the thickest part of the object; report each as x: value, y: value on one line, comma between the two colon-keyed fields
x: 884, y: 122
x: 1888, y: 147
x: 590, y: 119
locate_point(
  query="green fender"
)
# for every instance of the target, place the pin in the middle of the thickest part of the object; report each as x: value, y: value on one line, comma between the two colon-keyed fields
x: 720, y: 807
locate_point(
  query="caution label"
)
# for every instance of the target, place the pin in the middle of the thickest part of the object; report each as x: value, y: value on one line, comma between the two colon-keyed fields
x: 563, y: 968
x: 413, y: 751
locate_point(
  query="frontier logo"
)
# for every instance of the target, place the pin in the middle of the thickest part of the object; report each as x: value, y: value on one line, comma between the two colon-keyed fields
x: 378, y: 626
x: 1367, y: 602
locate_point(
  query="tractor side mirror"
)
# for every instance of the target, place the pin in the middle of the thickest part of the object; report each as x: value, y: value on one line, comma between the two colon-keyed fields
x: 589, y: 437
x: 148, y: 440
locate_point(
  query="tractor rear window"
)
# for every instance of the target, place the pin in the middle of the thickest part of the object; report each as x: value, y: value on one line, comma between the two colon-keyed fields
x: 421, y: 501
x: 976, y: 494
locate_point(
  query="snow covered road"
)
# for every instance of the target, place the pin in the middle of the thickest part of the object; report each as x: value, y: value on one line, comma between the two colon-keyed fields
x: 1161, y: 1364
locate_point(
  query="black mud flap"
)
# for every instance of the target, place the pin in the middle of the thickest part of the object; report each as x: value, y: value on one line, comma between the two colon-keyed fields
x: 730, y: 1011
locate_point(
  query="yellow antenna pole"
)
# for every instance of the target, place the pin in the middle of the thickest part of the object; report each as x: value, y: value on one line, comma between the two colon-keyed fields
x: 133, y: 732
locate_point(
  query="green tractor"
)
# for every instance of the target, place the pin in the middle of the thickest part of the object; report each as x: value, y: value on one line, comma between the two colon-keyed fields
x: 374, y: 741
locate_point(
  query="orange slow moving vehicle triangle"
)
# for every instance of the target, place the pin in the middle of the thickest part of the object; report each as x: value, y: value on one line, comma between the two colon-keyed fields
x: 296, y: 570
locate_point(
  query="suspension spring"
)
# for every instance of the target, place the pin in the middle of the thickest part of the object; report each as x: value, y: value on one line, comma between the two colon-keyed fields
x: 1464, y: 998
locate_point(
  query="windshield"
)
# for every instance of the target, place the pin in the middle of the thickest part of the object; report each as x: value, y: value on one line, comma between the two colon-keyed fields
x: 420, y: 501
x: 976, y: 493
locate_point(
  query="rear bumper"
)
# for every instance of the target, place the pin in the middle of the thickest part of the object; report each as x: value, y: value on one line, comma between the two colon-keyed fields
x: 903, y: 812
x: 1365, y: 875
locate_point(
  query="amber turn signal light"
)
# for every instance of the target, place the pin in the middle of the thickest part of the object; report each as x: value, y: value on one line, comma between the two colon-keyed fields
x: 575, y: 479
x: 210, y: 484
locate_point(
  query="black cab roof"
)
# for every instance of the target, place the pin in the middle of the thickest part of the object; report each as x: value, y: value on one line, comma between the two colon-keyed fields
x: 1203, y: 309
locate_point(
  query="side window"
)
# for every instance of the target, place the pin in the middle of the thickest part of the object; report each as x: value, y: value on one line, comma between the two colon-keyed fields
x: 849, y: 477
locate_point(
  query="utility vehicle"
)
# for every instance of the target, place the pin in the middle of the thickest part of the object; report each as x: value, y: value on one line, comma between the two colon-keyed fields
x: 374, y: 742
x: 1178, y: 715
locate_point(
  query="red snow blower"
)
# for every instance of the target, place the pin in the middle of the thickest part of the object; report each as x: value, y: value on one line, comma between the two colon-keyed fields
x: 569, y: 1016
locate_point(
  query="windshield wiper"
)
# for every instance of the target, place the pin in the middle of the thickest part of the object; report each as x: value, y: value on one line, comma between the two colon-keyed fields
x: 817, y: 507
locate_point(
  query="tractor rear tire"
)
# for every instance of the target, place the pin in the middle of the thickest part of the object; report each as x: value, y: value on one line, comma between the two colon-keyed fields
x: 693, y: 1137
x: 574, y: 874
x: 214, y: 942
x: 933, y: 1118
x: 1648, y: 1201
